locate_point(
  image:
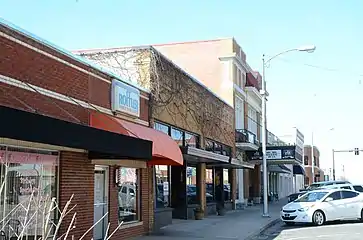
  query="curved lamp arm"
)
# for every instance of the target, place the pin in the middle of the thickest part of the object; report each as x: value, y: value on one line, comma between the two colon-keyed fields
x: 290, y: 50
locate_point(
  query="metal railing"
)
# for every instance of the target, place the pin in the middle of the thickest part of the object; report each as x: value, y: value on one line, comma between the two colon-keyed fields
x: 245, y: 136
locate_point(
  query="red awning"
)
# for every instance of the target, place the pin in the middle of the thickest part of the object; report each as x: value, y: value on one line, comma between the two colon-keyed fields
x: 165, y: 150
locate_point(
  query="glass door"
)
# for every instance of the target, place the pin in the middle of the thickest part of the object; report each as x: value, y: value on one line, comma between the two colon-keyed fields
x: 100, y: 201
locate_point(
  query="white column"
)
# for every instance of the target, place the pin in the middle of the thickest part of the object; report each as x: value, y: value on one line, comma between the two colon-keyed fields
x: 241, y: 198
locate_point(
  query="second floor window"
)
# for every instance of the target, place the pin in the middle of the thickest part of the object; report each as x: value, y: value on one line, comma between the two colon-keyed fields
x: 306, y: 160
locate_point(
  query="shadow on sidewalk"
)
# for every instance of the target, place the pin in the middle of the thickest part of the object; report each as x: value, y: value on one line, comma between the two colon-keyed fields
x: 236, y: 224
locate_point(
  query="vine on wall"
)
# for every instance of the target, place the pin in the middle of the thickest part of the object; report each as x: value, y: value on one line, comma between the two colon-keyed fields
x: 189, y: 105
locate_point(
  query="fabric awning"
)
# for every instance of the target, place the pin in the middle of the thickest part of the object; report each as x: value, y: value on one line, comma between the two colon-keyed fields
x: 165, y: 151
x: 278, y: 168
x: 283, y: 167
x: 299, y: 170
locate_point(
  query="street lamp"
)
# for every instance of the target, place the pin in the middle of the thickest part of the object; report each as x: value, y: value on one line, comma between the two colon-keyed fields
x: 263, y: 93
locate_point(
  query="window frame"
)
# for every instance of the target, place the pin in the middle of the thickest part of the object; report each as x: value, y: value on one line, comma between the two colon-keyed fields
x: 29, y: 150
x: 350, y: 192
x: 138, y: 196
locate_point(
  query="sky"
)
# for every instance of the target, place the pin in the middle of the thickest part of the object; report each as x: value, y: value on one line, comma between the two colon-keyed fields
x: 311, y: 91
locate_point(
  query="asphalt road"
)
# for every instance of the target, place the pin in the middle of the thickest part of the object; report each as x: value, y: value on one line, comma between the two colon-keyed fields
x: 331, y: 231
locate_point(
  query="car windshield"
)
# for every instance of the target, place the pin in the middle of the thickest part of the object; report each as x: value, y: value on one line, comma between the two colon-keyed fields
x: 313, y: 187
x: 358, y: 188
x: 311, y: 197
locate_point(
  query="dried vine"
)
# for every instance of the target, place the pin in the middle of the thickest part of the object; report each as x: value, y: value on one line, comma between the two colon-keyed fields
x: 189, y: 104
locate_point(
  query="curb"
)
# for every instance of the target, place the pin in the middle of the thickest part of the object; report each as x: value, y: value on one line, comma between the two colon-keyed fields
x: 262, y: 229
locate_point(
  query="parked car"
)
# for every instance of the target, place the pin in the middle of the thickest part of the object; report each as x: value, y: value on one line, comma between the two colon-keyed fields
x: 126, y: 197
x: 320, y: 206
x: 314, y: 186
x: 192, y: 195
x: 350, y: 186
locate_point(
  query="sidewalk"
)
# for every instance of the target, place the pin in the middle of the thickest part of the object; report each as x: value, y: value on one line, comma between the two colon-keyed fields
x: 238, y: 224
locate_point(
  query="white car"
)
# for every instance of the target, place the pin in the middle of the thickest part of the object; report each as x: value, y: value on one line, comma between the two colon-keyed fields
x: 354, y: 187
x: 324, y: 205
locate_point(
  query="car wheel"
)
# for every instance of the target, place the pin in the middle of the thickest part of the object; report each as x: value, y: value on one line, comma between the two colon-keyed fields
x: 361, y: 215
x: 289, y: 223
x: 318, y: 218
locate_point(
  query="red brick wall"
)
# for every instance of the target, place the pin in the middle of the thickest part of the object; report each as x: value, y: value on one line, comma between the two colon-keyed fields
x: 77, y: 177
x: 307, y: 153
x: 22, y: 63
x: 76, y: 170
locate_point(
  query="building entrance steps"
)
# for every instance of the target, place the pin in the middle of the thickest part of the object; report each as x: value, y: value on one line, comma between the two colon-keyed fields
x: 236, y: 224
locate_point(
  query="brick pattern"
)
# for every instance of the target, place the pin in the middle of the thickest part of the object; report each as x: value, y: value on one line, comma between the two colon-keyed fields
x: 76, y: 170
x: 24, y: 64
x: 42, y: 104
x: 146, y: 191
x: 77, y: 177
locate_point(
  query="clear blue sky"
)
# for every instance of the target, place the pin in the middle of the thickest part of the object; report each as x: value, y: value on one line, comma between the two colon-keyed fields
x: 334, y: 26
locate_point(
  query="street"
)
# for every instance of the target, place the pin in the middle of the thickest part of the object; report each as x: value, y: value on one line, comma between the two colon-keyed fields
x: 331, y: 231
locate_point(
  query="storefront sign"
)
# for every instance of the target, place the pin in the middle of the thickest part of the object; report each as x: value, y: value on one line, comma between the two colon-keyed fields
x: 299, y: 142
x: 276, y: 153
x: 125, y: 98
x: 273, y: 154
x: 27, y: 158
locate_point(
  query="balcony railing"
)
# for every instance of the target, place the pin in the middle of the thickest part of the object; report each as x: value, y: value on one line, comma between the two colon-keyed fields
x: 245, y: 136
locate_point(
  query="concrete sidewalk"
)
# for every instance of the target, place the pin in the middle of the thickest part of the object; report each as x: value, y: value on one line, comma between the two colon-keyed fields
x: 238, y: 224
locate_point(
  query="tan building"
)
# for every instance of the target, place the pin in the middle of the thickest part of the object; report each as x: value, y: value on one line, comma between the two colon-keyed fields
x: 200, y: 121
x: 319, y: 173
x: 221, y: 66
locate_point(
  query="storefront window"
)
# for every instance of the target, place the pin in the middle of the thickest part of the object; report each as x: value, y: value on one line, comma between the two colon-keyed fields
x: 191, y: 140
x: 28, y: 177
x: 192, y: 185
x: 128, y: 194
x: 161, y: 127
x: 177, y: 136
x: 162, y: 186
x: 226, y: 185
x: 217, y: 148
x: 209, y: 146
x: 209, y: 176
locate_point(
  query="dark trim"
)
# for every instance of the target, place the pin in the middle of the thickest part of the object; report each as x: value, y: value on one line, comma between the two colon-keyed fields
x: 26, y: 126
x: 299, y: 170
x: 287, y: 153
x: 283, y: 167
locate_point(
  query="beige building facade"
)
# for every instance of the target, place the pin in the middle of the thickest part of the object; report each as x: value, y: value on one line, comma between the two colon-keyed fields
x: 221, y: 66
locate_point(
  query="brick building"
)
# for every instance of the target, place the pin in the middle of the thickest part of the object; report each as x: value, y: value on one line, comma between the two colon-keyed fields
x: 196, y: 118
x: 319, y: 173
x: 62, y: 134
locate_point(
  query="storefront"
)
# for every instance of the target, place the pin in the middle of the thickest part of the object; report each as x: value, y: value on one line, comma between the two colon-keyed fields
x: 43, y: 157
x: 179, y: 189
x: 280, y: 159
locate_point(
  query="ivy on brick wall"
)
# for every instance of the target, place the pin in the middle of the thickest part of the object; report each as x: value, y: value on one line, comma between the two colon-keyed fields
x: 187, y: 103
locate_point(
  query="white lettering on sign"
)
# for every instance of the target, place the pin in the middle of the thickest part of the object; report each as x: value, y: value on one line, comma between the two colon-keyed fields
x: 273, y: 154
x: 125, y: 98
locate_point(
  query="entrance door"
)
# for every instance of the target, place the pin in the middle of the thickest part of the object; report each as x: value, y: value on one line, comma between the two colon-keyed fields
x: 100, y: 201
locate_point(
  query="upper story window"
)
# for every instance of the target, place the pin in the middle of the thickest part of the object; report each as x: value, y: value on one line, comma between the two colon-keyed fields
x: 181, y: 137
x: 306, y: 160
x: 216, y: 147
x: 240, y: 77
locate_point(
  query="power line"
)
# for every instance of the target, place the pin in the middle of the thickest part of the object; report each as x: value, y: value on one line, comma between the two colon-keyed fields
x: 327, y: 69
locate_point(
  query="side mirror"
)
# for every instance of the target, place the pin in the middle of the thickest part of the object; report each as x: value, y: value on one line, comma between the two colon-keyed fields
x: 132, y: 194
x: 329, y: 199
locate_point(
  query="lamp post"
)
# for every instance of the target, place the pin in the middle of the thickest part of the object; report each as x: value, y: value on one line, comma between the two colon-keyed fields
x: 263, y: 93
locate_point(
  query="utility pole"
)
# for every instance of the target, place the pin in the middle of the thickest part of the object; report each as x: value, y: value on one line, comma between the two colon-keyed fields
x: 312, y: 159
x: 333, y: 166
x: 356, y: 152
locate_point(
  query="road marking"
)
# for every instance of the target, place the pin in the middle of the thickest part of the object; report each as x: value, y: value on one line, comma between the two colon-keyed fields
x: 326, y: 236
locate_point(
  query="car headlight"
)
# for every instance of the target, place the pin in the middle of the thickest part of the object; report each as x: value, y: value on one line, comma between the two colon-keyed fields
x: 304, y: 209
